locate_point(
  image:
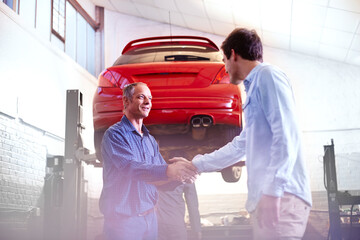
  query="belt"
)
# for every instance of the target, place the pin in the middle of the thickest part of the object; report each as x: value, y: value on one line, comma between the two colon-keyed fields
x: 146, y: 212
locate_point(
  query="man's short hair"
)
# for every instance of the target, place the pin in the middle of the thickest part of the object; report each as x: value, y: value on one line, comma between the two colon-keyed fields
x: 129, y: 89
x: 246, y: 43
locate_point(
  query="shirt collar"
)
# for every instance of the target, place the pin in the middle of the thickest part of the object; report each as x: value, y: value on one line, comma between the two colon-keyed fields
x: 250, y: 77
x: 130, y: 128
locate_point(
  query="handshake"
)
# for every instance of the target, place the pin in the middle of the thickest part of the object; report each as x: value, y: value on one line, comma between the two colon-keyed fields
x: 181, y: 169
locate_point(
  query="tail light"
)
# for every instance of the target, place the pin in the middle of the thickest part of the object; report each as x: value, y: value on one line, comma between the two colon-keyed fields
x: 112, y: 79
x: 221, y: 77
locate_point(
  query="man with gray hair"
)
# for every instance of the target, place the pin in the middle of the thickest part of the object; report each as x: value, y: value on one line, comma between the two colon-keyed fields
x: 132, y: 169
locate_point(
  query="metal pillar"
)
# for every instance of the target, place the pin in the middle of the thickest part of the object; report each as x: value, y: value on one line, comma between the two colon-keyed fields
x: 65, y: 189
x: 332, y: 191
x: 53, y: 187
x: 336, y: 199
x: 73, y: 222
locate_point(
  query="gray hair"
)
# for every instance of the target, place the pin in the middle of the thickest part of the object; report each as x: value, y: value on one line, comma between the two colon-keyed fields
x: 129, y: 89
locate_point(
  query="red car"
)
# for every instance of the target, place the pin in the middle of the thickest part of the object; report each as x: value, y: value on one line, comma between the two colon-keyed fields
x: 195, y: 108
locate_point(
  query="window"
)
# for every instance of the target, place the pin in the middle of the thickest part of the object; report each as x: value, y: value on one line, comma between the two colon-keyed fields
x: 70, y: 43
x: 80, y: 37
x: 90, y: 45
x: 13, y: 4
x: 81, y: 41
x: 68, y: 26
x: 58, y: 19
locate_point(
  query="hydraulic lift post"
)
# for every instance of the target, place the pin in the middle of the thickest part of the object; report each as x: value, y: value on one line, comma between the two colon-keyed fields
x: 65, y: 189
x: 331, y: 187
x: 336, y: 199
x: 73, y: 225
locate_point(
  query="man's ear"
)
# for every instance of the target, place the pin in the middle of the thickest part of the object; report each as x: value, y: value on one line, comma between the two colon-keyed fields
x: 125, y: 102
x: 233, y: 55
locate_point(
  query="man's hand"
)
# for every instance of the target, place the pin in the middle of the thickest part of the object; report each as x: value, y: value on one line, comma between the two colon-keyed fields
x: 268, y: 211
x: 179, y: 159
x: 182, y: 170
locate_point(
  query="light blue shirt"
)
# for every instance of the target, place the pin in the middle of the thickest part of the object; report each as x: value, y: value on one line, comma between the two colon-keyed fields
x: 270, y: 140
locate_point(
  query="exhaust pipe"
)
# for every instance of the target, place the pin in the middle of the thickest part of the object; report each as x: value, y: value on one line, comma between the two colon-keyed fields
x: 206, y: 121
x: 199, y: 125
x: 196, y: 122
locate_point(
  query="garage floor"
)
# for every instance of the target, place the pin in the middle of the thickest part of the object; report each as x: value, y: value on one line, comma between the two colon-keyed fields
x: 317, y: 229
x: 214, y: 208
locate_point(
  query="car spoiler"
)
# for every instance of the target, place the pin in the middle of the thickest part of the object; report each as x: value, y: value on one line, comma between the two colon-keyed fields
x: 165, y: 40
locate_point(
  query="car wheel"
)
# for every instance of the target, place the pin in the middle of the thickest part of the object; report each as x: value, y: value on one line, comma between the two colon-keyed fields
x: 230, y: 133
x: 98, y: 135
x: 231, y: 174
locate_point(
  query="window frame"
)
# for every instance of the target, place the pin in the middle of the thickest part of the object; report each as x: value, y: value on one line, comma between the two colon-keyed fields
x: 84, y: 14
x: 80, y: 10
x: 15, y: 5
x: 53, y: 31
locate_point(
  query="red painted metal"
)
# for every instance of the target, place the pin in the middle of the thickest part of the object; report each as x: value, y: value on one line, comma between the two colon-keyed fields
x: 169, y: 40
x: 180, y: 89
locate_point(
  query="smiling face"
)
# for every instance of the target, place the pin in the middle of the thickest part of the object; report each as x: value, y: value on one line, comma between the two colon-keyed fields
x: 138, y: 107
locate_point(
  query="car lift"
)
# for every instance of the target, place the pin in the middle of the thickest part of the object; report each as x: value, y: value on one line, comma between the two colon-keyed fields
x: 337, y: 199
x: 65, y: 189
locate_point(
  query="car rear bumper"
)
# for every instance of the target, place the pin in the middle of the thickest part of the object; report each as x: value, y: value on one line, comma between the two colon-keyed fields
x: 173, y: 116
x: 184, y: 116
x: 222, y: 102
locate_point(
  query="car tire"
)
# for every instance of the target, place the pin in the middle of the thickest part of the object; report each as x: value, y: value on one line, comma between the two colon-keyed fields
x: 98, y: 136
x: 231, y: 132
x: 231, y: 174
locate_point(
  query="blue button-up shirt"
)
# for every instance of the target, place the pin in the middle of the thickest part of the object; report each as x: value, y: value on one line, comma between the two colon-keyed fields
x: 271, y: 140
x: 130, y: 161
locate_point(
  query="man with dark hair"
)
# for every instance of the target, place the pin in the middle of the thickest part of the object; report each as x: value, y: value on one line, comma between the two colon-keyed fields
x: 132, y: 167
x: 279, y: 197
x: 245, y: 43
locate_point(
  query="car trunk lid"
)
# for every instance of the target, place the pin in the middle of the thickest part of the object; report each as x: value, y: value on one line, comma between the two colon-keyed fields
x: 169, y: 75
